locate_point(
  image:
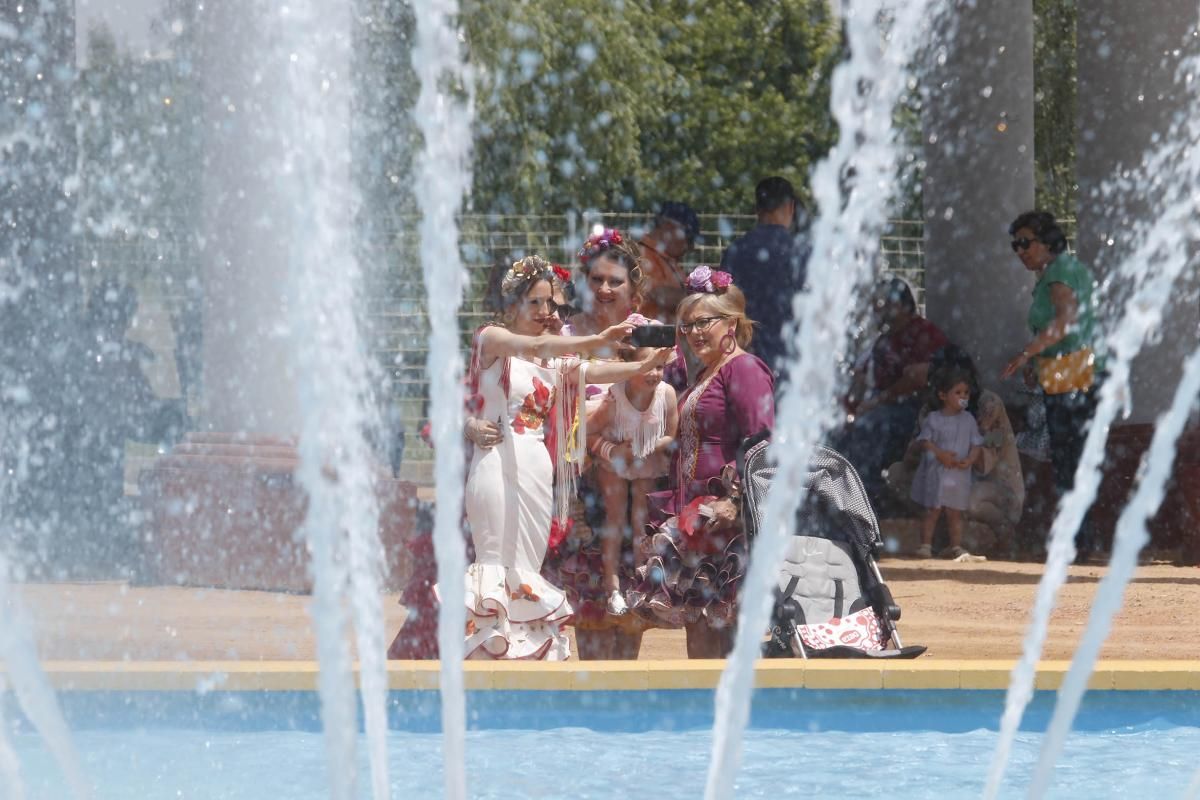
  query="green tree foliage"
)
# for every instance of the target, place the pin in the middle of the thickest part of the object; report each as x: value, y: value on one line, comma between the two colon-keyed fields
x: 619, y: 105
x: 1055, y: 105
x: 564, y: 89
x: 749, y: 97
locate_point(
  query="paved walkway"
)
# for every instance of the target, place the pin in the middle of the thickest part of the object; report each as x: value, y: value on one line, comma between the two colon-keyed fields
x: 975, y: 611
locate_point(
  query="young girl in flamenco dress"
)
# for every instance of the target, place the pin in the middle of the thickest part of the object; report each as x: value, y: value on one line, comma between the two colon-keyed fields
x: 637, y: 423
x: 950, y: 442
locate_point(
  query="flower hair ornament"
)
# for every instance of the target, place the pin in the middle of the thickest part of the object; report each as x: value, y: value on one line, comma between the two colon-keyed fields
x: 561, y: 272
x: 706, y: 280
x: 597, y: 243
x: 527, y: 269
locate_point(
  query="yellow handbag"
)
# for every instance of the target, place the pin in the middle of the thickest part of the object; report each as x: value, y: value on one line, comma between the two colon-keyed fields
x: 1068, y: 372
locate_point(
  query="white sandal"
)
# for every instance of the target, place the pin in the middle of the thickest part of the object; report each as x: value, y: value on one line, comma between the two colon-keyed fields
x: 616, y: 604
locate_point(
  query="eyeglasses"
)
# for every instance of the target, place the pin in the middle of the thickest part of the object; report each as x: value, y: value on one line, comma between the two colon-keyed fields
x: 1022, y: 244
x: 698, y: 325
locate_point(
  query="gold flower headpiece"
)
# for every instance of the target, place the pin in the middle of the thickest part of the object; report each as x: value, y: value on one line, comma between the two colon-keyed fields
x: 527, y: 269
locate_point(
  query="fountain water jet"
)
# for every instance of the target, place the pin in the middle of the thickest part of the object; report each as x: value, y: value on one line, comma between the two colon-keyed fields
x: 1131, y: 536
x: 330, y: 365
x: 443, y: 178
x: 1154, y: 267
x: 34, y: 695
x: 853, y: 187
x: 10, y: 768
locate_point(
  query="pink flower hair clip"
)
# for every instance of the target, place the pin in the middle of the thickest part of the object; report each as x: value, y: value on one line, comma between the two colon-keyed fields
x: 704, y: 279
x: 597, y: 243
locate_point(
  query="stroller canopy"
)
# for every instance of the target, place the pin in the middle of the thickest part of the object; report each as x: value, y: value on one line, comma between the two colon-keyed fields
x: 836, y: 507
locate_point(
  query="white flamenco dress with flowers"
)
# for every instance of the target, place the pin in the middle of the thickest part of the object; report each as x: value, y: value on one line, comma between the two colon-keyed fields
x: 512, y: 611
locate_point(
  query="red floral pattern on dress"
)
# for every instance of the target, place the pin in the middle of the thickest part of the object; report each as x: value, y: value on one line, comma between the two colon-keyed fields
x: 559, y: 531
x: 535, y: 408
x: 524, y: 592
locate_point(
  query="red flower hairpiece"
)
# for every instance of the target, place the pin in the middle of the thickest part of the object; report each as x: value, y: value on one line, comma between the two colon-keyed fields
x: 597, y: 243
x: 561, y: 272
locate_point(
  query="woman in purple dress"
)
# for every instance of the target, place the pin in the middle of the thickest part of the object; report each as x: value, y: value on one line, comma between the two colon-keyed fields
x: 691, y: 566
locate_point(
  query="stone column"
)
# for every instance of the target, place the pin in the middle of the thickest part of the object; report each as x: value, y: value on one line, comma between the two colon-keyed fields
x: 978, y: 143
x: 1128, y: 56
x: 245, y: 374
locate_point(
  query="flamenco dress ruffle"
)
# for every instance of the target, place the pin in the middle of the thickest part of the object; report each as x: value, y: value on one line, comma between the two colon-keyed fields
x: 514, y: 614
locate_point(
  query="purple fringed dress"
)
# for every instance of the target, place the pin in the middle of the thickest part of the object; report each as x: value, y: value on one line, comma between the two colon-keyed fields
x: 678, y: 584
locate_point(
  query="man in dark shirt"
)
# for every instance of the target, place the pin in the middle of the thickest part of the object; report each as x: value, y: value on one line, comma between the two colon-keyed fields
x: 769, y: 264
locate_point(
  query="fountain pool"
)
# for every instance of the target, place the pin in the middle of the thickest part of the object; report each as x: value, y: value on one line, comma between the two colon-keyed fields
x: 821, y: 730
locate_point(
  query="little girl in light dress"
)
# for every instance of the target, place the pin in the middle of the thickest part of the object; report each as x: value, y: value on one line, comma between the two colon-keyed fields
x: 950, y: 441
x: 638, y: 420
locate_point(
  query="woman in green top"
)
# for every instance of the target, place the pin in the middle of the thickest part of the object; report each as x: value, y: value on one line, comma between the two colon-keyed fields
x: 1062, y: 318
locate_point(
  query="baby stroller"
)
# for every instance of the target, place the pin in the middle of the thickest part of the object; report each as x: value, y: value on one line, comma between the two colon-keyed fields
x: 831, y: 601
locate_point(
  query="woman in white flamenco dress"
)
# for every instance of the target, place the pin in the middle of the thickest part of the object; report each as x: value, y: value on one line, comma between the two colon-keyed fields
x: 524, y: 384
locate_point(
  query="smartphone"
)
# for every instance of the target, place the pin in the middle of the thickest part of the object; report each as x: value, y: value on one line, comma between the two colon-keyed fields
x: 653, y: 336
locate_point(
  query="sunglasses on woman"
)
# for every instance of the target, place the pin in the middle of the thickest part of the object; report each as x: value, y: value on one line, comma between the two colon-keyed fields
x: 1022, y: 244
x: 698, y: 325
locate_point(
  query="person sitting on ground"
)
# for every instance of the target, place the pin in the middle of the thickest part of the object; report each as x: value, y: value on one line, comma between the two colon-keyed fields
x: 997, y: 495
x: 885, y: 394
x: 770, y: 265
x: 675, y: 232
x: 950, y: 444
x: 692, y: 565
x: 630, y: 434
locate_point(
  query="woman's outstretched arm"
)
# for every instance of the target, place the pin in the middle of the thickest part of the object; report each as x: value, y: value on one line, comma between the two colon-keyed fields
x: 617, y: 371
x: 497, y: 342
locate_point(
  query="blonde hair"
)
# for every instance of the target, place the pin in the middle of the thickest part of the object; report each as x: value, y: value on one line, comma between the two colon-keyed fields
x: 730, y: 303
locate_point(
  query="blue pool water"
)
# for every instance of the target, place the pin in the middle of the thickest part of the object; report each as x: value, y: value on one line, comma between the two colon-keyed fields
x: 809, y: 744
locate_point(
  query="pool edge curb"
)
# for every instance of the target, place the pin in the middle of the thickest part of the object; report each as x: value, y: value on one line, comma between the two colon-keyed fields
x: 204, y: 676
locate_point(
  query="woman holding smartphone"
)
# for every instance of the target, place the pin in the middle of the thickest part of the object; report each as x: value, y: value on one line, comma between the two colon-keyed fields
x: 612, y: 276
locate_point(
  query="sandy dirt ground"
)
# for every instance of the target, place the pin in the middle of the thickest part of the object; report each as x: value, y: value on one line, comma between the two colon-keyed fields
x: 957, y: 610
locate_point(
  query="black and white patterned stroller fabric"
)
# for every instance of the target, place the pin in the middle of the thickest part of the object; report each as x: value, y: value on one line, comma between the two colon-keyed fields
x: 830, y: 599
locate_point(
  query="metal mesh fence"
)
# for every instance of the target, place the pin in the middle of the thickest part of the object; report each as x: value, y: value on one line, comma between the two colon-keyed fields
x: 396, y: 313
x: 163, y: 263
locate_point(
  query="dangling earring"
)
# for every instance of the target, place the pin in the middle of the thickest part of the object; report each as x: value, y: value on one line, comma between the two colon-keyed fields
x: 728, y: 343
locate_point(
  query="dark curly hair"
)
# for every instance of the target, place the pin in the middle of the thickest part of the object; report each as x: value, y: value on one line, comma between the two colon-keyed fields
x: 1044, y: 226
